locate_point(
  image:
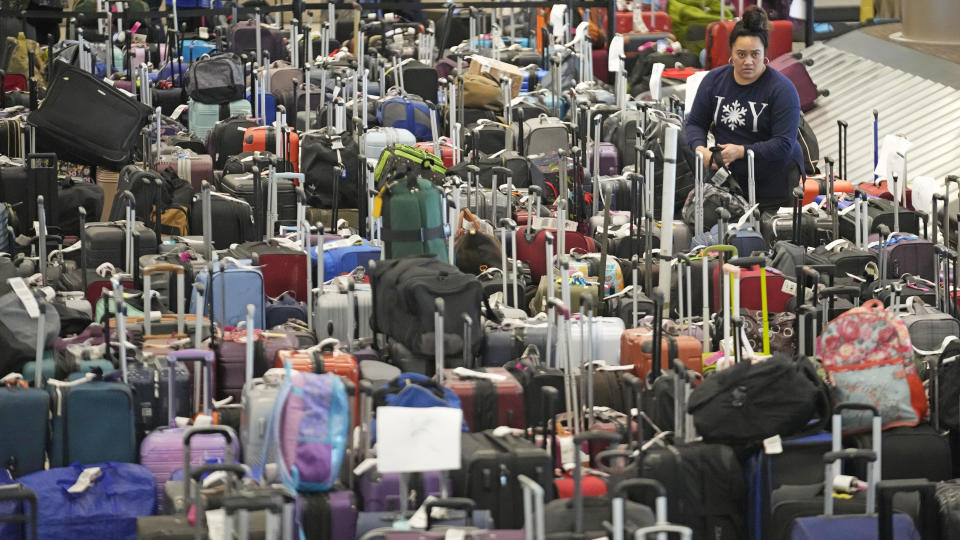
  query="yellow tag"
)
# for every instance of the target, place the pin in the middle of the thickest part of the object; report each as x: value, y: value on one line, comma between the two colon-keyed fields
x: 378, y: 202
x: 838, y: 495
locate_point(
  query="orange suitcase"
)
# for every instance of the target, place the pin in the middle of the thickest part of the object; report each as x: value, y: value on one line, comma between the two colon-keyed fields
x: 817, y: 185
x: 261, y: 139
x: 327, y: 357
x: 636, y: 349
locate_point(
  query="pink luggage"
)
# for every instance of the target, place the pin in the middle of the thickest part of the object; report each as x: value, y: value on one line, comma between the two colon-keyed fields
x: 796, y: 70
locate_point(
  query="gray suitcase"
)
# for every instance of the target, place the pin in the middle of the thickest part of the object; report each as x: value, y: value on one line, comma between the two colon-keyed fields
x: 376, y: 140
x: 259, y: 396
x: 334, y: 316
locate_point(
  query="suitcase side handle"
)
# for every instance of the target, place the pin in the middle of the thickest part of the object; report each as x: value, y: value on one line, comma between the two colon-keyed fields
x: 452, y: 503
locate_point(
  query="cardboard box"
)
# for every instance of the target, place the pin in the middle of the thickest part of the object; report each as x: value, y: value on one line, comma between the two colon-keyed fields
x: 480, y: 64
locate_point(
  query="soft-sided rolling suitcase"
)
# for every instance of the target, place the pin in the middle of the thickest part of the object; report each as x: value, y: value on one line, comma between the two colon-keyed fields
x: 230, y: 218
x: 23, y: 411
x: 242, y: 186
x: 92, y: 421
x: 194, y: 168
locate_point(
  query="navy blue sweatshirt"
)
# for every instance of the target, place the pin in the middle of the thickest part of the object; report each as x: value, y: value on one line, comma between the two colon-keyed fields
x: 763, y: 116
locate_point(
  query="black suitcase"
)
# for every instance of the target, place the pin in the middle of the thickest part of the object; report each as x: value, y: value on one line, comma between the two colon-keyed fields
x: 881, y: 212
x: 490, y: 466
x: 233, y: 218
x: 241, y: 187
x: 899, y: 451
x: 421, y: 80
x: 20, y: 186
x: 226, y: 139
x: 104, y: 243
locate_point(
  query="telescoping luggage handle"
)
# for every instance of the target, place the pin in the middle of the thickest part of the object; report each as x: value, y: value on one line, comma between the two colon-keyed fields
x: 534, y: 525
x: 206, y: 357
x: 19, y: 492
x: 188, y: 471
x: 278, y: 519
x: 147, y: 296
x: 619, y: 492
x: 832, y: 459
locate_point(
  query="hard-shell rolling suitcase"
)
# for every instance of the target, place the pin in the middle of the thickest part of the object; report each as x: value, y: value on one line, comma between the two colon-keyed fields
x: 328, y: 515
x: 204, y: 116
x: 376, y: 140
x: 259, y: 395
x: 194, y: 168
x: 263, y: 138
x: 162, y: 451
x: 232, y: 364
x: 795, y: 69
x: 718, y: 41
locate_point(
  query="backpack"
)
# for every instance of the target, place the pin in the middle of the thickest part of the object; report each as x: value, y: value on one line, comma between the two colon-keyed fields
x: 308, y: 427
x: 868, y: 358
x: 408, y: 112
x: 809, y: 146
x: 216, y: 79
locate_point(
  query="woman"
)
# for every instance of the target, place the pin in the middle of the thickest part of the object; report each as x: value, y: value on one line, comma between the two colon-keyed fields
x: 750, y: 107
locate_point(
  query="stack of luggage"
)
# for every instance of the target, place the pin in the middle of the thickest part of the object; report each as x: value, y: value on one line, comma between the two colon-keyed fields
x: 226, y: 250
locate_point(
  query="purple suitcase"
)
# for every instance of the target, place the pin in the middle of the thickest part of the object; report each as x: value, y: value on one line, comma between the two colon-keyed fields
x: 327, y: 515
x: 232, y: 362
x: 609, y: 158
x: 796, y: 71
x: 517, y: 534
x: 194, y: 168
x: 381, y: 492
x: 162, y: 451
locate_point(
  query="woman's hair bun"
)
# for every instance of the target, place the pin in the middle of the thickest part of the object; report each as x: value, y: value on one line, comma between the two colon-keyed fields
x: 754, y: 19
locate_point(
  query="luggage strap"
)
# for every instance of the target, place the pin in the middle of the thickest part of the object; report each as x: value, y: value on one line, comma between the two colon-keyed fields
x: 421, y: 235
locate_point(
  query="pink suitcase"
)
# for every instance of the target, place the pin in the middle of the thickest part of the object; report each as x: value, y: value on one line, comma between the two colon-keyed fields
x: 194, y: 168
x: 796, y: 70
x: 162, y: 451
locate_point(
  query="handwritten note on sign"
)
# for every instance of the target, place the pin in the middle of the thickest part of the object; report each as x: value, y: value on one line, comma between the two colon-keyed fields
x: 416, y: 440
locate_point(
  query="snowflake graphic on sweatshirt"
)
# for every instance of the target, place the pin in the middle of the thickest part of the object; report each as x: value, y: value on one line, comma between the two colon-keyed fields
x: 734, y: 115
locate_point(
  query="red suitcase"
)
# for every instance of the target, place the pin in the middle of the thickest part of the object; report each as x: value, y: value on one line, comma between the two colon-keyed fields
x: 718, y: 41
x: 531, y: 248
x: 261, y: 139
x: 284, y: 269
x: 882, y: 191
x: 446, y: 150
x: 656, y: 21
x: 796, y: 70
x: 485, y: 404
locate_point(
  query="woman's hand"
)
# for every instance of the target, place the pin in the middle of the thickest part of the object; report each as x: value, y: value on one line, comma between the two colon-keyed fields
x: 731, y: 153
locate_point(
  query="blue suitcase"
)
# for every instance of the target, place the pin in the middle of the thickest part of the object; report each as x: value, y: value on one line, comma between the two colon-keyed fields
x: 195, y: 48
x: 92, y: 422
x: 203, y: 116
x: 229, y: 293
x: 341, y: 257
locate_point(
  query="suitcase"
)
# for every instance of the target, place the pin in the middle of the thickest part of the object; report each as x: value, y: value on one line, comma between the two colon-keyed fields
x: 636, y: 349
x: 258, y: 396
x: 485, y: 456
x: 202, y: 117
x: 343, y: 312
x: 263, y: 139
x: 241, y: 186
x: 226, y: 138
x: 232, y: 287
x: 795, y: 69
x: 284, y: 268
x: 191, y: 167
x: 446, y: 151
x: 376, y: 140
x: 91, y: 421
x: 164, y: 450
x: 193, y: 49
x: 233, y: 365
x: 344, y: 256
x: 718, y: 41
x: 655, y: 21
x: 23, y: 411
x: 814, y: 187
x: 531, y: 247
x: 478, y: 395
x: 609, y: 159
x: 328, y: 515
x: 233, y: 216
x: 149, y: 380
